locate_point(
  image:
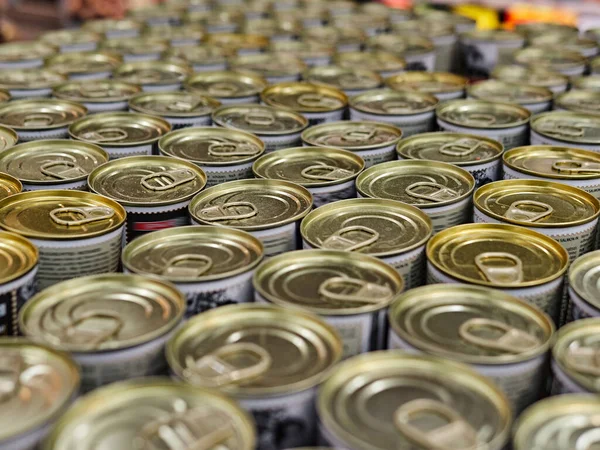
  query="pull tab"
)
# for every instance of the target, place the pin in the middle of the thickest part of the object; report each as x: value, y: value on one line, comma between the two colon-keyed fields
x: 556, y: 129
x: 213, y: 370
x: 184, y: 105
x: 232, y: 149
x: 98, y: 91
x: 584, y: 360
x: 399, y: 107
x: 147, y: 76
x: 331, y: 173
x: 221, y: 212
x: 440, y: 193
x: 80, y: 216
x: 260, y: 118
x: 105, y: 135
x: 512, y: 340
x: 98, y: 331
x: 359, y: 135
x: 457, y: 434
x: 167, y: 179
x: 11, y: 367
x: 337, y: 241
x: 354, y: 290
x: 38, y: 120
x: 63, y: 170
x: 460, y: 147
x: 572, y: 166
x: 202, y: 263
x: 479, y: 119
x: 223, y: 89
x: 351, y: 80
x: 588, y: 440
x: 494, y: 267
x: 516, y: 212
x: 314, y: 100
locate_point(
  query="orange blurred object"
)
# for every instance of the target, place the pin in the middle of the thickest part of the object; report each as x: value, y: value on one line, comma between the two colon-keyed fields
x: 524, y: 13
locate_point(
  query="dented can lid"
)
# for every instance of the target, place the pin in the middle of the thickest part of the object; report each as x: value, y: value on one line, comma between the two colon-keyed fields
x: 580, y: 101
x: 377, y: 61
x: 482, y: 114
x: 40, y: 114
x: 18, y: 256
x: 351, y: 135
x: 260, y: 119
x: 83, y: 62
x: 173, y: 104
x: 343, y: 78
x: 387, y: 102
x: 583, y: 277
x: 37, y: 78
x: 269, y: 64
x: 427, y: 82
x: 152, y: 73
x: 226, y: 84
x: 569, y: 127
x: 304, y: 97
x: 534, y: 76
x: 23, y: 51
x: 9, y: 185
x: 502, y: 91
x: 96, y: 91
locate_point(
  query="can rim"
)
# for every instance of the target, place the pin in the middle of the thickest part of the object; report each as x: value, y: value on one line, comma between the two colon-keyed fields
x: 258, y: 83
x: 333, y: 92
x: 74, y: 107
x: 541, y: 116
x: 26, y: 270
x: 224, y: 108
x: 433, y: 102
x: 307, y: 134
x: 443, y: 107
x: 140, y: 96
x: 57, y: 94
x: 547, y: 93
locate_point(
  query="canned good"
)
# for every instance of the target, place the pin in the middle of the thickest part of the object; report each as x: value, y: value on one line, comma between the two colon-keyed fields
x: 121, y: 134
x: 273, y: 29
x: 217, y: 20
x: 562, y: 212
x: 9, y: 185
x: 312, y: 53
x: 559, y: 60
x: 154, y: 190
x: 568, y: 128
x: 210, y: 348
x: 393, y: 231
x: 228, y: 87
x: 586, y: 83
x: 516, y: 260
x: 157, y: 15
x: 443, y: 191
x: 483, y: 50
x: 52, y: 164
x: 97, y: 96
x: 239, y: 43
x: 152, y: 76
x: 76, y: 233
x: 8, y: 138
x: 578, y: 101
x: 177, y: 36
x: 507, y: 123
x: 113, y: 28
x: 273, y: 67
x: 270, y: 210
x: 135, y: 49
x: 411, y: 111
x: 533, y: 76
x: 534, y: 29
x: 72, y: 40
x: 317, y: 103
x: 534, y: 98
x: 115, y: 326
x: 583, y: 290
x: 39, y: 386
x: 351, y: 81
x: 429, y: 402
x: 40, y: 118
x: 374, y: 142
x: 443, y: 85
x: 29, y: 83
x: 327, y: 173
x: 343, y: 39
x: 417, y: 51
x: 588, y: 48
x: 351, y: 292
x: 480, y: 156
x: 201, y: 58
x: 370, y: 24
x: 24, y: 55
x: 383, y: 63
x: 500, y: 336
x: 95, y: 65
x: 278, y: 128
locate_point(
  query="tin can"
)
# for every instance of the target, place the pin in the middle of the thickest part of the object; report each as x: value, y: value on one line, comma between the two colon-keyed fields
x: 228, y: 87
x: 578, y: 101
x: 462, y: 24
x: 534, y: 98
x: 113, y: 28
x: 411, y: 111
x: 40, y: 118
x: 507, y: 123
x: 273, y: 29
x: 370, y: 24
x: 430, y: 402
x: 350, y: 81
x: 8, y: 138
x: 29, y: 83
x: 327, y: 173
x: 278, y: 393
x: 36, y: 401
x: 76, y: 233
x: 135, y: 49
x: 349, y: 291
x: 121, y: 134
x: 500, y: 336
x: 374, y: 142
x: 180, y: 109
x: 533, y: 76
x: 564, y: 213
x: 96, y: 65
x: 239, y: 43
x: 586, y: 83
x: 24, y: 55
x: 583, y: 291
x: 385, y: 64
x: 312, y: 53
x: 152, y: 76
x: 177, y: 36
x: 559, y: 60
x: 154, y: 190
x: 270, y: 210
x: 417, y: 51
x: 52, y: 164
x: 516, y: 260
x: 115, y: 326
x: 588, y: 48
x: 343, y: 39
x: 480, y: 156
x: 566, y: 128
x: 202, y: 58
x: 223, y: 154
x: 540, y: 28
x: 72, y: 40
x: 217, y: 20
x: 97, y: 96
x: 273, y: 67
x: 393, y: 231
x: 9, y: 185
x: 483, y: 50
x: 319, y: 104
x: 157, y: 15
x: 443, y: 85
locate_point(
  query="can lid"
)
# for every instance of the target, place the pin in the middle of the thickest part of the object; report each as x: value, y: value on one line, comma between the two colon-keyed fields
x: 270, y: 27
x: 424, y: 184
x: 502, y: 91
x: 454, y: 19
x: 152, y: 73
x: 583, y: 277
x: 251, y: 204
x: 337, y: 36
x: 8, y: 138
x: 119, y: 129
x: 481, y: 114
x: 534, y: 29
x: 343, y: 77
x: 579, y: 101
x: 586, y: 82
x: 260, y: 119
x: 429, y: 403
x: 534, y: 76
x: 83, y: 62
x: 401, y: 44
x: 304, y: 97
x: 557, y: 59
x: 70, y: 37
x: 567, y: 126
x: 173, y: 104
x: 428, y: 28
x: 304, y: 49
x: 536, y: 203
x: 106, y: 26
x: 285, y: 351
x: 23, y: 51
x: 268, y: 64
x: 38, y: 384
x: 238, y: 41
x: 499, y: 256
x: 30, y: 78
x: 95, y: 91
x: 9, y: 185
x: 567, y: 41
x: 40, y: 114
x: 387, y: 102
x: 173, y: 33
x: 141, y: 45
x: 201, y: 54
x: 353, y: 136
x: 147, y: 180
x: 212, y: 146
x: 17, y: 255
x: 377, y: 61
x: 225, y: 84
x: 455, y: 148
x: 498, y: 35
x: 427, y: 82
x: 471, y: 324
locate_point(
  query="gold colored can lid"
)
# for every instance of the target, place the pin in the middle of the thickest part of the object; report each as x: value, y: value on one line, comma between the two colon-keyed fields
x: 583, y: 277
x: 173, y: 104
x: 212, y: 146
x: 427, y: 82
x: 96, y: 91
x: 498, y: 256
x: 565, y: 41
x: 497, y: 35
x: 586, y: 82
x: 70, y: 37
x: 225, y: 84
x: 147, y: 180
x: 238, y: 41
x: 18, y: 257
x: 439, y: 15
x: 136, y: 45
x: 106, y: 26
x: 83, y: 62
x: 38, y: 385
x: 260, y: 119
x: 387, y: 102
x: 482, y: 114
x: 353, y: 136
x: 370, y: 226
x: 101, y: 313
x: 567, y: 126
x: 556, y: 59
x: 534, y: 76
x: 535, y: 29
x: 304, y: 97
x: 271, y: 27
x: 203, y: 54
x: 154, y: 413
x: 338, y: 36
x: 23, y: 51
x: 471, y: 324
x: 269, y: 64
x: 8, y: 138
x: 377, y: 61
x: 579, y: 101
x: 304, y: 49
x: 152, y: 72
x: 40, y: 114
x: 343, y: 77
x: 30, y: 78
x: 173, y: 33
x: 60, y: 214
x: 428, y: 28
x: 251, y: 204
x: 9, y: 185
x: 502, y: 91
x: 50, y: 162
x: 210, y: 348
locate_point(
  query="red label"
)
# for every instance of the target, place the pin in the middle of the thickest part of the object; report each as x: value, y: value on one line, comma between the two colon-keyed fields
x: 154, y: 226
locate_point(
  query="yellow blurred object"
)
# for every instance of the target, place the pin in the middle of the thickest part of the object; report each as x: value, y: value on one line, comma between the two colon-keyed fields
x: 487, y: 18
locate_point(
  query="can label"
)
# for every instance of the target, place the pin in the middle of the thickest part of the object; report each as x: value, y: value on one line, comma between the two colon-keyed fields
x: 22, y: 64
x: 55, y: 133
x: 183, y: 122
x: 330, y: 194
x: 410, y: 124
x: 378, y: 156
x: 145, y: 220
x: 273, y: 143
x: 200, y: 67
x: 540, y: 139
x: 31, y: 93
x: 590, y: 186
x: 278, y: 240
x: 485, y: 173
x: 580, y: 309
x: 239, y: 100
x: 94, y: 108
x: 509, y: 137
x: 90, y: 76
x: 218, y: 175
x: 450, y: 215
x: 122, y: 152
x: 360, y: 333
x: 562, y: 384
x: 315, y: 118
x: 411, y: 265
x: 13, y: 296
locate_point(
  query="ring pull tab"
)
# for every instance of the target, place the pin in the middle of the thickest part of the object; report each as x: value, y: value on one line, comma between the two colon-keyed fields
x: 572, y: 166
x: 232, y: 149
x: 214, y: 370
x: 103, y: 325
x: 315, y: 100
x: 37, y: 120
x: 184, y: 105
x: 63, y: 170
x: 201, y: 265
x: 112, y: 134
x: 439, y: 194
x: 147, y: 76
x: 516, y: 212
x: 398, y: 107
x: 97, y: 91
x: 353, y: 290
x: 11, y: 367
x: 359, y: 135
x: 588, y: 440
x: 351, y: 80
x: 460, y: 147
x: 325, y: 172
x: 500, y: 267
x: 80, y: 216
x: 555, y: 129
x: 512, y: 339
x: 223, y: 89
x: 585, y: 360
x: 260, y: 118
x: 456, y: 434
x: 168, y: 179
x: 228, y: 211
x: 480, y: 119
x: 337, y: 241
